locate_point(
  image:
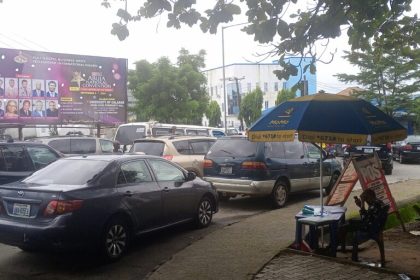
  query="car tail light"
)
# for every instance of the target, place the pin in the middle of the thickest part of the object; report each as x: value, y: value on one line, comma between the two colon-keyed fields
x: 168, y: 157
x: 254, y: 165
x: 407, y: 147
x: 58, y: 207
x: 208, y: 163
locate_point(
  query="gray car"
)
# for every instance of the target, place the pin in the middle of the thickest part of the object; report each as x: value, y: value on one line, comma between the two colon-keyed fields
x: 111, y: 199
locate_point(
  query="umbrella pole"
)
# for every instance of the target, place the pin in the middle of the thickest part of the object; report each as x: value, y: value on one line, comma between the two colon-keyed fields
x: 320, y: 182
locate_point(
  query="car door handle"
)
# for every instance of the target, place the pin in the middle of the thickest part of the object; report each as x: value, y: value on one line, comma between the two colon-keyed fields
x: 166, y: 189
x: 128, y: 193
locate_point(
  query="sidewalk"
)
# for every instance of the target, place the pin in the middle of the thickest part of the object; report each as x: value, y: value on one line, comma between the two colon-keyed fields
x: 241, y: 250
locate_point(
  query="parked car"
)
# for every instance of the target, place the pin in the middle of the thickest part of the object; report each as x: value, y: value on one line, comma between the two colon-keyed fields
x: 19, y: 159
x: 187, y: 151
x: 112, y: 199
x: 407, y: 150
x: 78, y: 145
x: 383, y: 151
x: 237, y: 166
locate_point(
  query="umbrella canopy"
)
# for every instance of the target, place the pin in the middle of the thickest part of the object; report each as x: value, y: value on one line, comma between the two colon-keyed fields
x: 327, y: 118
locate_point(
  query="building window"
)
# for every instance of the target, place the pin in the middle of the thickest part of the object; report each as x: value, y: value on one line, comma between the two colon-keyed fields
x: 249, y: 87
x: 276, y: 86
x: 265, y: 87
x: 266, y: 104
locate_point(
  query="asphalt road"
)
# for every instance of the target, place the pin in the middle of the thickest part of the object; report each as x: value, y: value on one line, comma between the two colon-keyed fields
x: 149, y: 250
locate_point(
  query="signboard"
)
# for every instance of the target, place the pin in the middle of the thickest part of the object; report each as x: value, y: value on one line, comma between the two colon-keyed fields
x: 371, y: 176
x: 53, y: 88
x: 343, y: 186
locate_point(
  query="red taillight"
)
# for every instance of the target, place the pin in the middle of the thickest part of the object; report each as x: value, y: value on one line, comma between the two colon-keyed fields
x: 58, y: 207
x: 168, y: 157
x: 407, y: 147
x: 253, y: 165
x: 208, y: 163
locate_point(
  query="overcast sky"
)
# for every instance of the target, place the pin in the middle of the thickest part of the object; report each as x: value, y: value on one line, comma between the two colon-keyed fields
x: 83, y: 27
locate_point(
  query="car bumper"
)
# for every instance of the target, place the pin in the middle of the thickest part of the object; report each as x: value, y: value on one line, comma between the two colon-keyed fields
x: 414, y: 156
x: 235, y: 186
x: 54, y: 234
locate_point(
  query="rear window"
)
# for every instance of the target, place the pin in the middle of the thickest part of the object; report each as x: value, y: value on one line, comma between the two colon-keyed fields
x: 149, y: 148
x: 233, y: 147
x: 62, y: 145
x: 127, y: 134
x: 162, y: 131
x: 82, y: 146
x: 61, y: 172
x: 14, y: 159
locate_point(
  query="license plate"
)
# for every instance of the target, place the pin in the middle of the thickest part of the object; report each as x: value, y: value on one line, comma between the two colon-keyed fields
x: 22, y: 210
x: 226, y: 170
x: 368, y: 151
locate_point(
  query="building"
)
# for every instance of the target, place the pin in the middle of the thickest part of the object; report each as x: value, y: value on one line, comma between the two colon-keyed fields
x: 243, y: 78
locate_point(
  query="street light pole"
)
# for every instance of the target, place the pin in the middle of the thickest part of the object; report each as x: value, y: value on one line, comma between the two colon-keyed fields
x: 224, y: 74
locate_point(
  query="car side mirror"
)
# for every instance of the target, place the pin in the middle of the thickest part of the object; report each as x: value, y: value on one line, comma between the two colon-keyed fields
x: 191, y: 176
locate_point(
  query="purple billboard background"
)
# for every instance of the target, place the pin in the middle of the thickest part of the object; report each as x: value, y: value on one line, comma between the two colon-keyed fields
x: 53, y: 88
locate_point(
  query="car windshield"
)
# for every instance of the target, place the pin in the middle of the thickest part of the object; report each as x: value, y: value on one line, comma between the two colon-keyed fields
x: 62, y: 172
x: 413, y: 138
x: 240, y: 147
x: 127, y: 134
x: 149, y: 148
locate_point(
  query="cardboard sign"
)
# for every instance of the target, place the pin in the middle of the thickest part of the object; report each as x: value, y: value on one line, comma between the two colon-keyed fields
x: 371, y: 176
x: 343, y: 186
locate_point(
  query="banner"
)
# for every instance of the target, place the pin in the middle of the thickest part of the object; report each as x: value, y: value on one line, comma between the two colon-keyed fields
x: 343, y: 186
x: 53, y: 88
x: 371, y: 176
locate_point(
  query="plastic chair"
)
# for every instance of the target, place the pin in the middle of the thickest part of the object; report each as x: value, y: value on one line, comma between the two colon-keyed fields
x: 375, y: 232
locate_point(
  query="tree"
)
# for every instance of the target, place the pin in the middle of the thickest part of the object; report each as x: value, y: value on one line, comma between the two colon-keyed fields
x: 214, y: 114
x: 251, y: 106
x: 276, y: 21
x: 389, y: 69
x: 168, y: 93
x: 284, y: 95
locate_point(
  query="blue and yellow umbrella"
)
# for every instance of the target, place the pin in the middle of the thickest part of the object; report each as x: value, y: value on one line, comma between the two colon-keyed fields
x: 327, y: 118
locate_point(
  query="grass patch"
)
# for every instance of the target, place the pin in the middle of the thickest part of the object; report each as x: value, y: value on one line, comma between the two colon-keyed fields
x: 407, y: 214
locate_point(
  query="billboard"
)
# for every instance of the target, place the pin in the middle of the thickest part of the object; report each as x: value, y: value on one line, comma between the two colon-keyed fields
x: 54, y: 88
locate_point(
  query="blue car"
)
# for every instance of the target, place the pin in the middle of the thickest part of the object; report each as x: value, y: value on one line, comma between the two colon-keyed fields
x: 237, y: 166
x: 101, y: 201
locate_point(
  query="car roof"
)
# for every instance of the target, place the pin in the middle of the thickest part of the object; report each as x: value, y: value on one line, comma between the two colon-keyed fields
x: 112, y: 157
x: 174, y: 138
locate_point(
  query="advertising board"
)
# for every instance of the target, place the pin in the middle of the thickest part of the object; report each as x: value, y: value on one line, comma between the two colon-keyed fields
x: 54, y: 88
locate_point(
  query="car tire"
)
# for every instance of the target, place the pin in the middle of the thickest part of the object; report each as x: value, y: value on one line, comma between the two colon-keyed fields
x: 279, y: 195
x: 401, y: 159
x: 223, y: 197
x: 115, y: 239
x: 330, y: 186
x: 204, y: 213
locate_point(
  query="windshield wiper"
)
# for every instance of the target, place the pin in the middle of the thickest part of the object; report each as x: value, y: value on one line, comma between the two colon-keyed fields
x: 227, y: 152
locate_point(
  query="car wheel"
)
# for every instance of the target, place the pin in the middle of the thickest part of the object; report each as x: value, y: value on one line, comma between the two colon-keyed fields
x: 279, y: 195
x: 115, y: 239
x: 330, y: 186
x: 204, y: 213
x: 223, y: 197
x: 402, y: 160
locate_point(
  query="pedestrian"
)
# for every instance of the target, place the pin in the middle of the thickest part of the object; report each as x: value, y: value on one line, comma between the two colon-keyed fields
x: 117, y: 147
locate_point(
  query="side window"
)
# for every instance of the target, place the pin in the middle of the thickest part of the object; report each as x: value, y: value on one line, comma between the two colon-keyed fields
x: 217, y: 133
x: 312, y: 151
x: 106, y: 146
x: 62, y: 145
x: 165, y: 171
x: 274, y: 150
x: 293, y: 150
x: 82, y: 146
x: 134, y: 172
x: 201, y: 147
x: 41, y: 156
x: 183, y: 147
x: 15, y: 159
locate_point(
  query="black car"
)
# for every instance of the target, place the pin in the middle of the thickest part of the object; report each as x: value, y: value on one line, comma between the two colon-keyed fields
x: 237, y: 166
x: 20, y: 159
x: 101, y: 201
x: 407, y: 150
x: 383, y: 151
